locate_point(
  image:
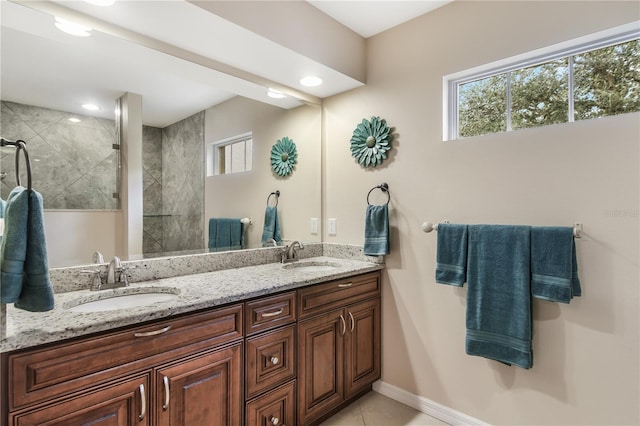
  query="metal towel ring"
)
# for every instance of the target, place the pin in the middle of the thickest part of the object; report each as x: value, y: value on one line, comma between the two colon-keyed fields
x: 382, y: 187
x: 277, y: 194
x: 20, y: 146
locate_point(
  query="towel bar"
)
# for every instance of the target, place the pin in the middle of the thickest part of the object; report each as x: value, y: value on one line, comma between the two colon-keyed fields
x: 428, y: 227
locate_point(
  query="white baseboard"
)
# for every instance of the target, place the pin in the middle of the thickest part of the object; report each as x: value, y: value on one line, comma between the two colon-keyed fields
x: 424, y: 405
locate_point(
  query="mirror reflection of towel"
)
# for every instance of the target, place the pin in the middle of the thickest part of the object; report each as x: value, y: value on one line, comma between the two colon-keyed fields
x: 225, y: 234
x: 271, y: 226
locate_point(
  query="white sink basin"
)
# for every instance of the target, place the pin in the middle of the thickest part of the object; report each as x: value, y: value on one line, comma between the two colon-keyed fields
x: 312, y: 266
x: 132, y: 298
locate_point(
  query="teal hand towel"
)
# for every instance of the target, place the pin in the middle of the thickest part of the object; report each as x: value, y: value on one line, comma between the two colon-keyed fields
x: 554, y: 268
x: 14, y: 245
x: 271, y: 228
x: 225, y: 234
x: 451, y: 256
x: 376, y: 230
x: 37, y: 292
x: 499, y: 294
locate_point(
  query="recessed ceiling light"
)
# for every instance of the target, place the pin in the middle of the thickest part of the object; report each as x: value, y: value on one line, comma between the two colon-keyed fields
x: 276, y: 94
x: 91, y: 107
x: 72, y: 28
x: 311, y: 81
x: 74, y: 120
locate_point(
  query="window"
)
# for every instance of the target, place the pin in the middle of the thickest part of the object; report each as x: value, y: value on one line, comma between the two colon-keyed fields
x: 587, y: 78
x: 231, y: 155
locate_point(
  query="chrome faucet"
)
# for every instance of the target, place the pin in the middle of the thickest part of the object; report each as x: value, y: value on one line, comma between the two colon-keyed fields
x: 115, y: 267
x: 289, y: 253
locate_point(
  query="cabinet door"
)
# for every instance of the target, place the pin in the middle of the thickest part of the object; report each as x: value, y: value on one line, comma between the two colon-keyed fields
x: 362, y: 346
x: 124, y: 404
x: 206, y: 390
x: 320, y: 368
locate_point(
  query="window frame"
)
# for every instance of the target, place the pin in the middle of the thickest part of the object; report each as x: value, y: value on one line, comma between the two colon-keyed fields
x: 213, y: 156
x: 567, y: 49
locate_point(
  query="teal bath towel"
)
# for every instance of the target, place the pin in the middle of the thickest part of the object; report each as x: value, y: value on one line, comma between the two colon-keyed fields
x: 376, y: 230
x: 14, y: 245
x: 554, y: 268
x: 225, y: 234
x: 271, y: 228
x: 25, y: 270
x: 451, y: 256
x: 499, y: 294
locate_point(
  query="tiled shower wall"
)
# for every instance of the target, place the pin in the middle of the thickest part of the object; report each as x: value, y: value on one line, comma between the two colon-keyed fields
x: 183, y: 184
x: 74, y: 167
x: 73, y: 164
x: 152, y: 183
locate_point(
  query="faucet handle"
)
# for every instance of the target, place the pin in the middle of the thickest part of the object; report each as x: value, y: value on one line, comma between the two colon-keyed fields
x: 96, y: 279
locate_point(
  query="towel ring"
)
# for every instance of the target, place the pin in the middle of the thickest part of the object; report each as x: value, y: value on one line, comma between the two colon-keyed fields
x: 277, y: 194
x: 20, y: 146
x: 382, y: 187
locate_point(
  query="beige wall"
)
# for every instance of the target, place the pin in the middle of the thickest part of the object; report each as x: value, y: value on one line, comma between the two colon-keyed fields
x: 245, y: 194
x: 585, y: 354
x: 73, y: 235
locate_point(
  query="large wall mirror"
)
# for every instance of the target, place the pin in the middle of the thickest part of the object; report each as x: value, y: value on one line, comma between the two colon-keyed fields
x: 186, y: 107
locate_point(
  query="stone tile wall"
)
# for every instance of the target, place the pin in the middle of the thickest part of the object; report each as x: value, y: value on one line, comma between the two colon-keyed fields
x: 152, y: 182
x: 183, y: 184
x: 73, y: 164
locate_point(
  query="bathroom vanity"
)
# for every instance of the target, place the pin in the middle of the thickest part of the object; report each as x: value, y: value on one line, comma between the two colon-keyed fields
x: 291, y: 349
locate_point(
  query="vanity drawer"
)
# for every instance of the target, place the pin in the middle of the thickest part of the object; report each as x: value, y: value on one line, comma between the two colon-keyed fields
x: 274, y: 408
x: 43, y: 374
x: 270, y: 360
x: 270, y: 312
x: 335, y: 294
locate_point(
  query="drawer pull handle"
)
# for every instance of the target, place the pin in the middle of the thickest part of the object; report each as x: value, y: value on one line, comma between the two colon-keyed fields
x: 143, y: 403
x: 167, y: 395
x: 153, y: 333
x: 272, y: 314
x: 274, y: 360
x: 353, y: 321
x: 274, y: 420
x: 344, y: 325
x: 345, y: 285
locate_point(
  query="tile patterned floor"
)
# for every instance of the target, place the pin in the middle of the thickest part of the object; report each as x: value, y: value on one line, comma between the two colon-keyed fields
x: 374, y: 409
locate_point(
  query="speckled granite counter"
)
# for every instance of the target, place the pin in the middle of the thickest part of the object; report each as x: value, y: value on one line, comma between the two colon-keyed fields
x: 196, y: 291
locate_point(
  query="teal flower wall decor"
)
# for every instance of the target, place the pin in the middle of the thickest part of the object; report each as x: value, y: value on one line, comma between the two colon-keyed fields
x: 370, y: 142
x: 284, y: 156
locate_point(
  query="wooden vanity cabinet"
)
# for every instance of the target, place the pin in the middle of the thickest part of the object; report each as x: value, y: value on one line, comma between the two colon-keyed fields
x: 338, y: 349
x: 72, y: 380
x: 306, y: 353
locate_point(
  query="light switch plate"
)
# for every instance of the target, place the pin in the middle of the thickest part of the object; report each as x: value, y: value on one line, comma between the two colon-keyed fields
x: 332, y: 226
x: 314, y: 225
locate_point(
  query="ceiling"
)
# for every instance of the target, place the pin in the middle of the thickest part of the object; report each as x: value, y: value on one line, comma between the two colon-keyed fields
x: 369, y: 18
x: 45, y: 67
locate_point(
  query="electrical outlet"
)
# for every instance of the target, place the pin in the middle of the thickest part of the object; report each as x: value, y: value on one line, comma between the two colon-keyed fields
x: 314, y: 225
x: 332, y: 226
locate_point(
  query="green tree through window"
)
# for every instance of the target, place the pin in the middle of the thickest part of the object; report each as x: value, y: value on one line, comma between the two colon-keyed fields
x: 606, y: 82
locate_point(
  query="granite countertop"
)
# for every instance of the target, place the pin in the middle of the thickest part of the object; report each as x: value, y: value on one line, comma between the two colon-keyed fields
x: 198, y: 291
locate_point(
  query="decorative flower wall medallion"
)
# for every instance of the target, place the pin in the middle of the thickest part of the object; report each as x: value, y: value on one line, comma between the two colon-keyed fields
x: 283, y: 156
x: 370, y: 142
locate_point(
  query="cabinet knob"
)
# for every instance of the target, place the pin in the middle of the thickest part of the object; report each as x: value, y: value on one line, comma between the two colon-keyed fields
x: 274, y: 420
x: 275, y: 360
